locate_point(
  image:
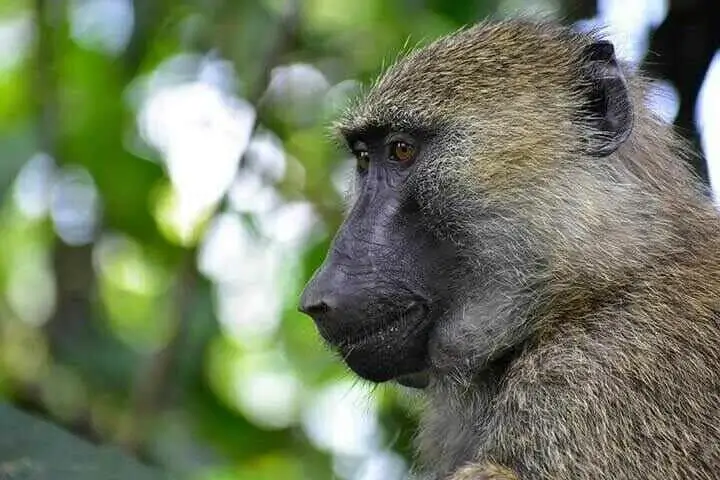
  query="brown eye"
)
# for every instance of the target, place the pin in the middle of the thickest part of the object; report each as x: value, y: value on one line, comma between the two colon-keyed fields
x: 363, y: 159
x: 402, y: 152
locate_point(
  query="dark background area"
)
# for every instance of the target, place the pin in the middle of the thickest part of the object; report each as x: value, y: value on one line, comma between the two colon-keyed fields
x: 167, y: 186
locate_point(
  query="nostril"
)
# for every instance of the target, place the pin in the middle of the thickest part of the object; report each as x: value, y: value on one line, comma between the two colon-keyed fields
x: 315, y: 308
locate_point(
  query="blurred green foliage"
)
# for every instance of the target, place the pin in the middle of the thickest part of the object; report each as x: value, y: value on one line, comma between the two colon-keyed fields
x: 31, y: 449
x: 150, y: 257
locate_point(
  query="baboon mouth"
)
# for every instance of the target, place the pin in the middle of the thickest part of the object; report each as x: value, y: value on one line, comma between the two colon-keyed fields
x: 417, y: 380
x: 400, y: 325
x: 396, y: 349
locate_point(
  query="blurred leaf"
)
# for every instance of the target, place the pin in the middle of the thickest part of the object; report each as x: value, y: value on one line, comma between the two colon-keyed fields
x: 16, y: 145
x: 32, y: 449
x: 94, y: 125
x: 8, y: 7
x: 230, y: 431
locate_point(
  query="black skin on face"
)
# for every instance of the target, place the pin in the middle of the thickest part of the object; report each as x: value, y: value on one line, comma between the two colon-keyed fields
x: 371, y: 299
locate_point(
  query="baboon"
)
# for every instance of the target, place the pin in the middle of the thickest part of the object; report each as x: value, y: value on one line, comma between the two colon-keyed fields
x: 527, y: 245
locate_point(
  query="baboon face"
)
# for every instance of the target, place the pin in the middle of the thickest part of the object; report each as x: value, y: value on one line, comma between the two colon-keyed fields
x: 375, y: 298
x: 440, y: 138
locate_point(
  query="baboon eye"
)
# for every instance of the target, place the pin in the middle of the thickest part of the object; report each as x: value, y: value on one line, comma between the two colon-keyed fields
x: 363, y: 159
x: 402, y: 152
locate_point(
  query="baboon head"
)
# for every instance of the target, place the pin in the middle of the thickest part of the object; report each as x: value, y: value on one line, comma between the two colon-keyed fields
x: 469, y: 151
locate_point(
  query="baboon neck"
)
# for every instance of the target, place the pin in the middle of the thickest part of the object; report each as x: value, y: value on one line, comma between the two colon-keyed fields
x: 456, y: 420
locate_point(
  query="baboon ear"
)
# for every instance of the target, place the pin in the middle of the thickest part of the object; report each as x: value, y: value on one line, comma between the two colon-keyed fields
x: 608, y: 106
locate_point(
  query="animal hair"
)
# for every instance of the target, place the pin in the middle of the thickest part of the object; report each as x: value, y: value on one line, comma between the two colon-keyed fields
x: 584, y: 342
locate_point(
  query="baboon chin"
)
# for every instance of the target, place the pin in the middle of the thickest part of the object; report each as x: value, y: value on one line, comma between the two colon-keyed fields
x: 527, y: 245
